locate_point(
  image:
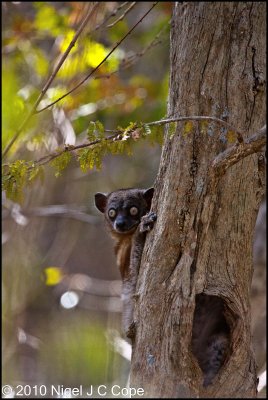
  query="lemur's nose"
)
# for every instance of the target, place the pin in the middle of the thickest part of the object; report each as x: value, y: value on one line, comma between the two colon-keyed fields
x: 120, y: 223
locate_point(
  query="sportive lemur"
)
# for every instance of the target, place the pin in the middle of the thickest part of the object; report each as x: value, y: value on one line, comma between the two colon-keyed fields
x: 128, y: 217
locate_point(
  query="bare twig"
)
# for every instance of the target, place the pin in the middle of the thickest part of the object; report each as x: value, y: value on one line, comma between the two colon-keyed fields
x: 198, y: 118
x: 62, y: 210
x: 123, y: 15
x: 46, y: 159
x: 112, y: 14
x: 96, y: 287
x: 95, y: 69
x: 238, y: 151
x: 50, y: 80
x: 130, y: 61
x: 64, y: 56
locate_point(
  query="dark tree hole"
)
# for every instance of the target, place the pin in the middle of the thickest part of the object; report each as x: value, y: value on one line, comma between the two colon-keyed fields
x: 210, y: 336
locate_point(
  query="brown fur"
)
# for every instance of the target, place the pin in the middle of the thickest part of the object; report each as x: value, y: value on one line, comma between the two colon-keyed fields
x: 122, y: 200
x: 128, y: 232
x: 122, y: 251
x: 211, y: 336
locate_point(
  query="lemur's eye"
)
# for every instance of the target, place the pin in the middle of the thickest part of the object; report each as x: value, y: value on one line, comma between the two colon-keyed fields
x: 112, y: 213
x: 133, y: 211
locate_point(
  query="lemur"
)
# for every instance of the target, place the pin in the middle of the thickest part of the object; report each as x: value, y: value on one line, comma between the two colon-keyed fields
x: 128, y: 217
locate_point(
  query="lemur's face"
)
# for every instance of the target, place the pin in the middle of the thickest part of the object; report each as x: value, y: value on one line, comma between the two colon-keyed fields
x: 124, y: 208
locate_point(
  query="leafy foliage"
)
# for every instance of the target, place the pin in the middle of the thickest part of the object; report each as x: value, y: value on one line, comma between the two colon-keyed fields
x: 61, y: 162
x: 35, y: 173
x: 18, y: 174
x: 14, y: 180
x: 92, y: 154
x: 38, y: 38
x: 21, y: 172
x: 95, y: 131
x: 88, y: 158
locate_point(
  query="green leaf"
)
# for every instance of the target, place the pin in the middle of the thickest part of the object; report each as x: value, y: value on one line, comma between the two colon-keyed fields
x: 83, y: 156
x: 15, y: 179
x: 147, y: 129
x: 91, y: 131
x: 116, y: 147
x: 95, y: 131
x: 35, y: 173
x: 128, y: 148
x: 99, y: 127
x: 61, y: 162
x: 98, y: 153
x: 90, y: 158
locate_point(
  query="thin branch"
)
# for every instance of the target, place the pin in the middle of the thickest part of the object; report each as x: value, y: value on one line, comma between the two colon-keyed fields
x: 62, y: 210
x: 238, y: 151
x: 118, y: 135
x: 130, y: 61
x: 50, y: 80
x: 198, y: 118
x: 64, y: 56
x: 96, y: 287
x: 112, y: 14
x: 123, y: 15
x: 105, y: 58
x: 122, y: 5
x: 50, y: 157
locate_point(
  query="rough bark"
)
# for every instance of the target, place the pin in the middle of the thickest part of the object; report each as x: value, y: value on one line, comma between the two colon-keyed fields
x: 202, y: 240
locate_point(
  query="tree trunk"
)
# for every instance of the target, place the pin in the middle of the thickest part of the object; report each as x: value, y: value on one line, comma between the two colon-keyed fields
x: 202, y: 240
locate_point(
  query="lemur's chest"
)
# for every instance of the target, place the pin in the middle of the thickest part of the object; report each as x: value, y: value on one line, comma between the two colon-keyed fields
x: 123, y: 251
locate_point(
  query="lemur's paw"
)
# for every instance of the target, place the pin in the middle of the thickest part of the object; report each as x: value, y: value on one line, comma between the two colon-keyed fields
x: 147, y: 222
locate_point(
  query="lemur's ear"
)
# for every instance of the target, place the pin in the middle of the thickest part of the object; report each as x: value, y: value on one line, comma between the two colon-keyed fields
x: 148, y: 195
x: 100, y: 201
